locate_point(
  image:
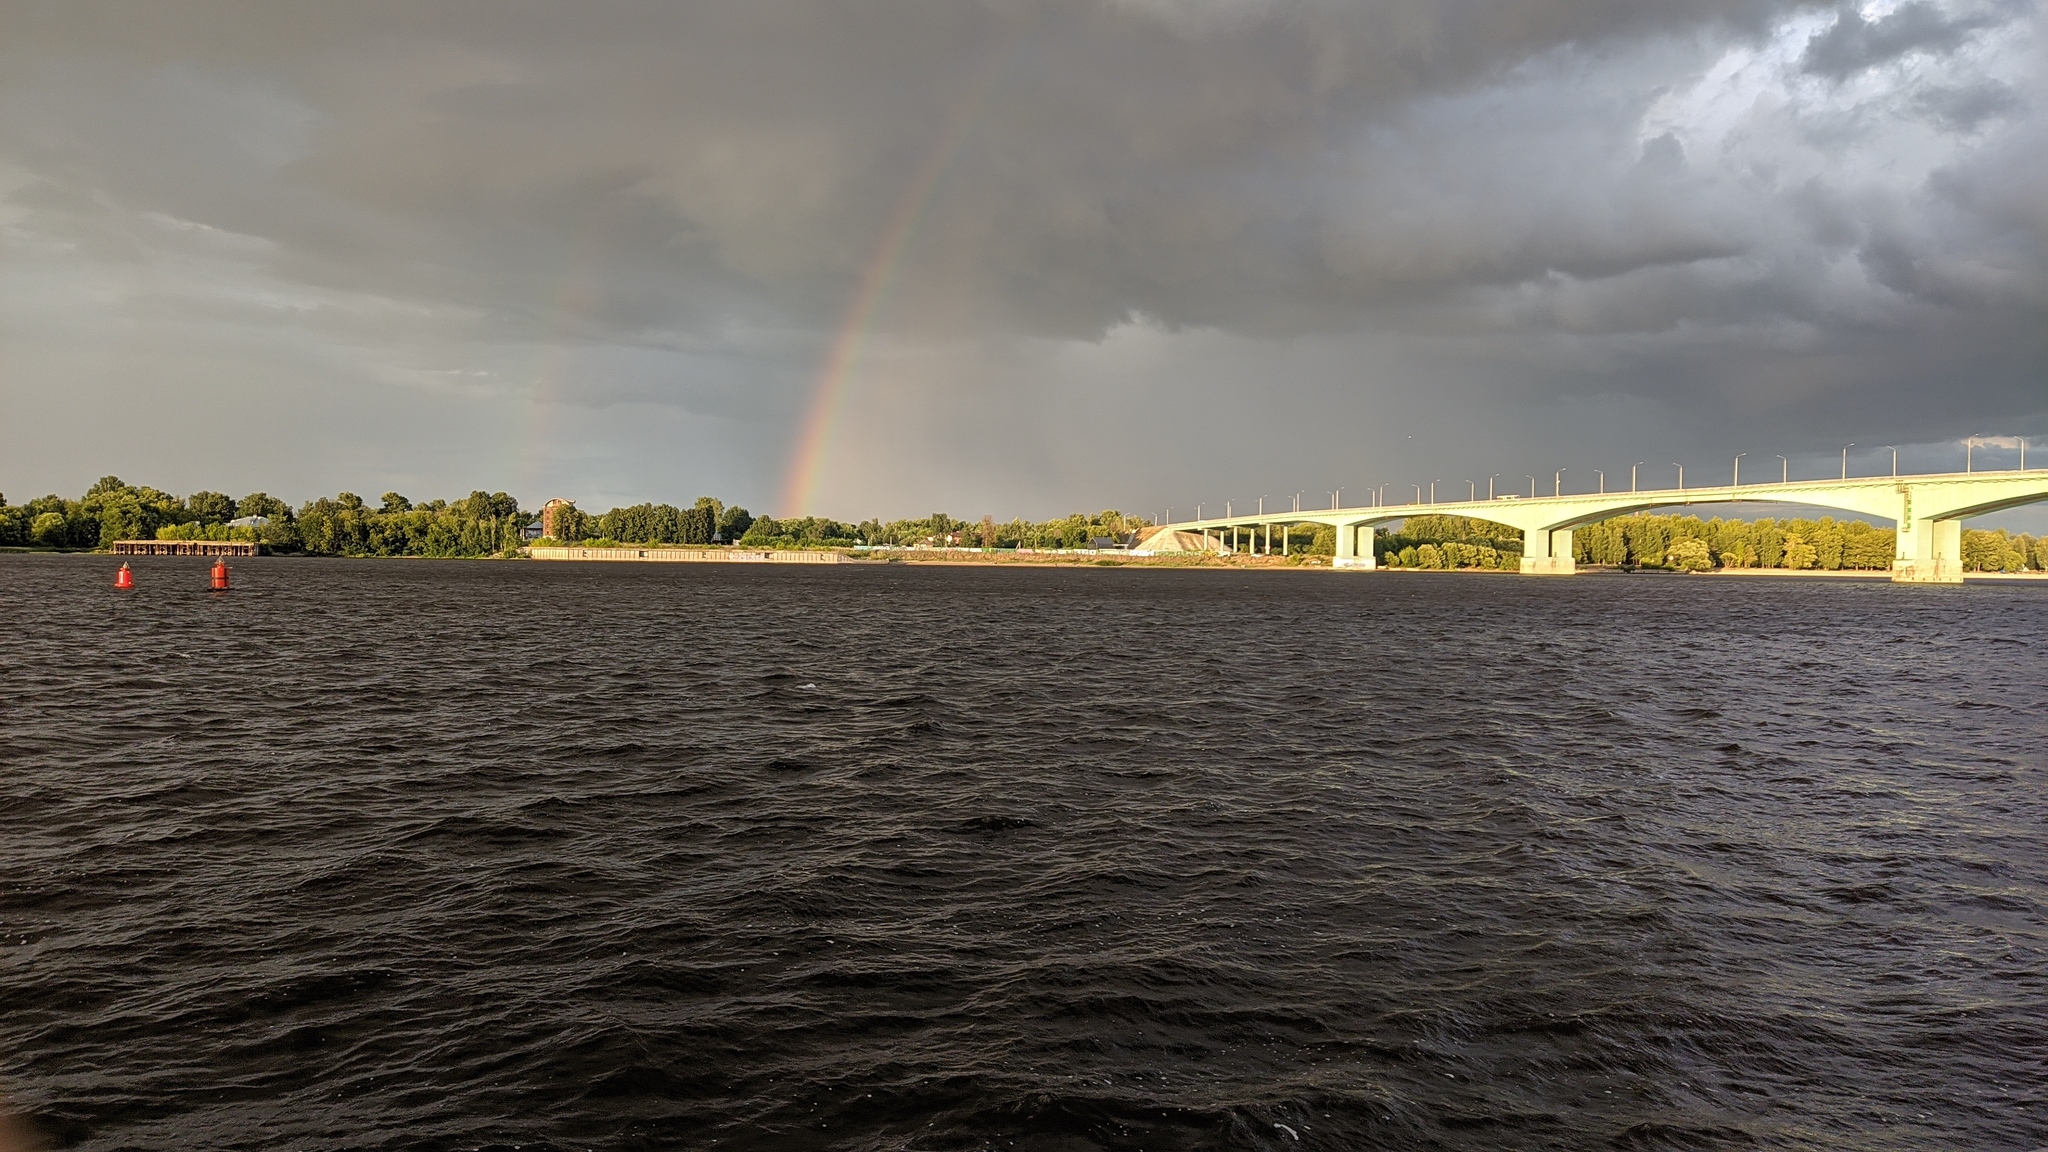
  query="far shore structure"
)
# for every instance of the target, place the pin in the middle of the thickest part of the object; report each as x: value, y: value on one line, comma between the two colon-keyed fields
x: 185, y: 548
x: 1928, y: 509
x: 690, y: 555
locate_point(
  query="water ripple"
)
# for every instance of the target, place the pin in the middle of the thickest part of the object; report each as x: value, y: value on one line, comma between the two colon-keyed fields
x: 468, y: 855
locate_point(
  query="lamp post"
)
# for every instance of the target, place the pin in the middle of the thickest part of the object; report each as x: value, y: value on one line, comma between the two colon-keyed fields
x: 1557, y: 482
x: 1784, y: 470
x: 1603, y: 480
x: 1472, y: 489
x: 1737, y: 482
x: 1432, y: 491
x: 1681, y: 474
x: 1262, y: 505
x: 1895, y: 459
x: 1845, y: 458
x: 1532, y: 485
x: 1969, y: 454
x: 2023, y: 453
x: 1418, y: 492
x: 1489, y: 484
x: 1380, y: 500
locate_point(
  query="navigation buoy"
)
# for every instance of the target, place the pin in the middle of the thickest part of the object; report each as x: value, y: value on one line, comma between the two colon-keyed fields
x: 124, y: 578
x: 220, y: 575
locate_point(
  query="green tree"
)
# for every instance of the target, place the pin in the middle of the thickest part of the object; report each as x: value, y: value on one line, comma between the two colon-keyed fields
x: 733, y: 523
x: 210, y: 508
x: 1689, y: 554
x: 263, y: 504
x: 1798, y: 553
x: 1829, y: 542
x: 50, y: 530
x: 1767, y: 540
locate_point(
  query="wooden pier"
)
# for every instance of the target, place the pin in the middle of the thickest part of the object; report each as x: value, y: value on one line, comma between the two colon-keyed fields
x: 184, y: 548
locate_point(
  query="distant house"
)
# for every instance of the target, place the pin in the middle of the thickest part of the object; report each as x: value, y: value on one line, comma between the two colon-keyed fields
x: 532, y: 532
x: 249, y: 522
x: 547, y: 516
x: 1124, y: 541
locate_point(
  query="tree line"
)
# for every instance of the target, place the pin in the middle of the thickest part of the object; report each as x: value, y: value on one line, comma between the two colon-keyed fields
x: 481, y: 524
x: 492, y: 524
x: 708, y: 521
x: 1690, y: 544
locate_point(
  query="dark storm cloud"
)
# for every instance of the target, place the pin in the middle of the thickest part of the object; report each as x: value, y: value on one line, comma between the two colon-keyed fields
x: 1731, y: 208
x: 1854, y: 43
x: 1966, y: 107
x: 1161, y: 158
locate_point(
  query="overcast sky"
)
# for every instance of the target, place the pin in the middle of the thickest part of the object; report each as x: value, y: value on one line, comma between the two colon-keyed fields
x: 1012, y: 257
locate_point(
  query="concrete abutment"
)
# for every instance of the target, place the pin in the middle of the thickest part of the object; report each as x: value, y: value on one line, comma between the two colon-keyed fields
x: 1354, y: 548
x: 1930, y: 552
x: 1547, y: 552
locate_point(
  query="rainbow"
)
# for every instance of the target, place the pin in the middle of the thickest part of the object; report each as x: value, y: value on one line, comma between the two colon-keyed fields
x: 821, y: 421
x: 576, y: 295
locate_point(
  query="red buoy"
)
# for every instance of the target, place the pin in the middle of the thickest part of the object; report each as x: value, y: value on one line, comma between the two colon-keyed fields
x: 124, y: 578
x: 220, y: 575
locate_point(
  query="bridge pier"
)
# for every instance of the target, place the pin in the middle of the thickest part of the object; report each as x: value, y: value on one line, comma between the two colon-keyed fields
x: 1930, y: 552
x: 1354, y: 547
x: 1547, y: 552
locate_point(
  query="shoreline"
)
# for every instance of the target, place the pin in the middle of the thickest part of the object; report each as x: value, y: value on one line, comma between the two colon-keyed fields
x: 1005, y: 559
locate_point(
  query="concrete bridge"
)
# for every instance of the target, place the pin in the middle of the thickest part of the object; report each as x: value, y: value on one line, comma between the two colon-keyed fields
x: 1927, y: 509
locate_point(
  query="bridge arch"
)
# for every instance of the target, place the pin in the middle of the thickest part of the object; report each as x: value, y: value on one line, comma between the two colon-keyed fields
x: 1927, y: 509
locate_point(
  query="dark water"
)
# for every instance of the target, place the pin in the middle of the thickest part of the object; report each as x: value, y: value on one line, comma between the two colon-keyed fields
x: 464, y: 855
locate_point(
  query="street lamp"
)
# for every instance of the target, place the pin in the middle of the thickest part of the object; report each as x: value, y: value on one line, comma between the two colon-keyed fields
x: 1969, y: 454
x: 1472, y: 489
x: 1895, y: 459
x: 1432, y: 491
x: 1557, y: 482
x: 1603, y: 481
x: 1784, y: 470
x: 1489, y: 484
x: 1418, y: 492
x: 1632, y: 473
x: 1532, y: 485
x: 1681, y: 474
x: 1737, y: 482
x: 1845, y: 458
x: 1380, y: 500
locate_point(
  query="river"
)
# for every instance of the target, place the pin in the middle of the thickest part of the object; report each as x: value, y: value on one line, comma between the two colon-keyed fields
x: 387, y: 854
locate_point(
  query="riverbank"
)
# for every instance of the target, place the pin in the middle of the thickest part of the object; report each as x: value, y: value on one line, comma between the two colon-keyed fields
x: 1106, y: 558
